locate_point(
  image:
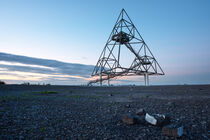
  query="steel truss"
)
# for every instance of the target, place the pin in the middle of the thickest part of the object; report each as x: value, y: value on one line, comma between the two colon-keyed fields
x: 109, y: 65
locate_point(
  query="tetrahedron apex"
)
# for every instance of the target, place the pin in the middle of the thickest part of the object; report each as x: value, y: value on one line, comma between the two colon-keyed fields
x: 125, y: 54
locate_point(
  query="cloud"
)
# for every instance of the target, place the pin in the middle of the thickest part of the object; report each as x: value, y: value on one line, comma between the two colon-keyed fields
x: 41, y: 69
x: 19, y: 69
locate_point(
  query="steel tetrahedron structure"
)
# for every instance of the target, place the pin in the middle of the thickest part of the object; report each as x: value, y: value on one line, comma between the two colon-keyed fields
x: 125, y: 54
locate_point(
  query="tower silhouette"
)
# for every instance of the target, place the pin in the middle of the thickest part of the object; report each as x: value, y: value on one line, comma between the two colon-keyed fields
x: 125, y: 54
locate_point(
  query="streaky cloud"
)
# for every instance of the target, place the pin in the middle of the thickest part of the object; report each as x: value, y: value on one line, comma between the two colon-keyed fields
x: 59, y: 67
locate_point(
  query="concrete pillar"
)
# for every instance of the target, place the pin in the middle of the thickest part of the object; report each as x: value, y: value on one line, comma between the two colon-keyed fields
x: 146, y: 79
x: 100, y: 79
x: 108, y: 81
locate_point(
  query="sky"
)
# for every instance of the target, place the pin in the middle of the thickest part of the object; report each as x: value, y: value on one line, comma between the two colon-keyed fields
x: 75, y: 32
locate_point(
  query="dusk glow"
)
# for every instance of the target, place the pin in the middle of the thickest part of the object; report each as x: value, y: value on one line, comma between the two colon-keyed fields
x: 63, y: 39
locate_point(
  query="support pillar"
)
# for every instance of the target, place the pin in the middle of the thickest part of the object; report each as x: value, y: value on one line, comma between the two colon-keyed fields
x: 146, y: 79
x: 100, y: 79
x: 108, y: 81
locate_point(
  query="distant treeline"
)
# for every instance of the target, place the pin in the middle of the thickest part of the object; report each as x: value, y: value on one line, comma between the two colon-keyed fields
x: 27, y: 83
x: 2, y: 82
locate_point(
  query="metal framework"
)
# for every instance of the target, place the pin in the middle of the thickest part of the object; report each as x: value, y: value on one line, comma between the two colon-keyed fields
x: 124, y: 35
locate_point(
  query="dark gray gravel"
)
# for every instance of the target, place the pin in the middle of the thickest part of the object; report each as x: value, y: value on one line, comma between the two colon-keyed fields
x: 73, y: 112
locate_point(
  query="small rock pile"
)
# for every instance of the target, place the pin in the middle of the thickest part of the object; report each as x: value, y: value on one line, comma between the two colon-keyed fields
x: 159, y: 120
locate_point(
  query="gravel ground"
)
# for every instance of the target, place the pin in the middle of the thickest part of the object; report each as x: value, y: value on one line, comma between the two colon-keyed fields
x: 79, y: 112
